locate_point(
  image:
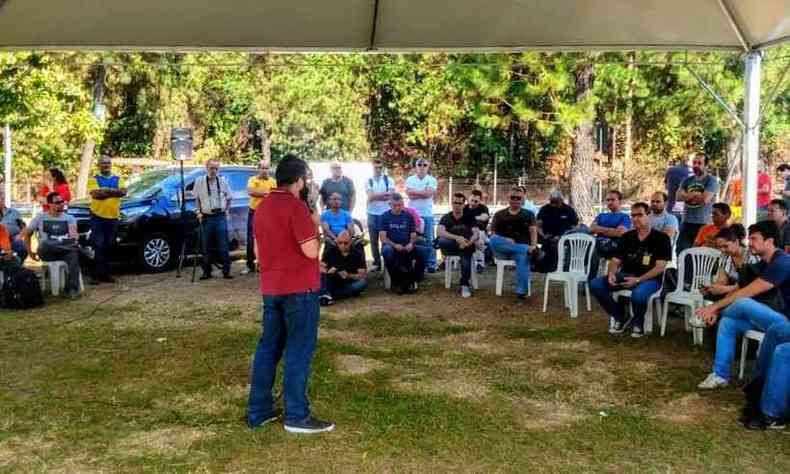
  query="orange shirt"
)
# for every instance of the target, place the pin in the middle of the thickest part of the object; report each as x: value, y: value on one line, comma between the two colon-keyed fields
x: 706, y: 236
x: 5, y: 239
x: 737, y: 192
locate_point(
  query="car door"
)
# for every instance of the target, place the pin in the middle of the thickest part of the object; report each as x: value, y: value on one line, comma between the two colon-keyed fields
x: 239, y: 207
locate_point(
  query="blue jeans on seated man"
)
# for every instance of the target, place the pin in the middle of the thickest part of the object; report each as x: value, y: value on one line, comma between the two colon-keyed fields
x: 290, y: 325
x: 505, y: 250
x: 742, y: 315
x: 450, y: 247
x: 404, y: 268
x: 640, y: 294
x: 374, y: 226
x: 429, y: 236
x: 215, y: 230
x: 339, y: 288
x: 773, y: 364
x: 21, y: 251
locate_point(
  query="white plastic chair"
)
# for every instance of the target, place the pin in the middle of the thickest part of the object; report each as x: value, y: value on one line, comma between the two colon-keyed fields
x: 653, y: 301
x: 451, y: 261
x: 581, y: 247
x: 752, y: 335
x: 387, y: 278
x: 57, y: 270
x: 704, y: 262
x: 500, y: 275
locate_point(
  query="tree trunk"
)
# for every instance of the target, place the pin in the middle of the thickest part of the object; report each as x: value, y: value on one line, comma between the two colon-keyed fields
x: 87, y: 152
x: 583, y: 151
x: 266, y: 143
x: 629, y: 113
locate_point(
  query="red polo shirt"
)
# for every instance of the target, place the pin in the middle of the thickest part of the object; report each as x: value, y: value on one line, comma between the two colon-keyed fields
x: 282, y: 223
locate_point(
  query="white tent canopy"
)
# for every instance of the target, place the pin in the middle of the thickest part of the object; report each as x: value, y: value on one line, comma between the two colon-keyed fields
x: 393, y: 25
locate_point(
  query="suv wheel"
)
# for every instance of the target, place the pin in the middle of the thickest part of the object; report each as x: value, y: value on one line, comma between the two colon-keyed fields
x: 156, y: 254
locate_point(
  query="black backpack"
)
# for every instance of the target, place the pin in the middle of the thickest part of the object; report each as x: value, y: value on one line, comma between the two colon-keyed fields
x: 21, y: 289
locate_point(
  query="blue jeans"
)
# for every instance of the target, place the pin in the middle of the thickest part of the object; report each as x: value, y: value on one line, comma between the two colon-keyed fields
x: 374, y: 226
x: 250, y: 240
x: 429, y: 236
x: 339, y: 288
x: 640, y: 294
x: 404, y: 268
x: 290, y: 324
x: 504, y: 250
x: 773, y: 363
x: 215, y: 230
x: 21, y: 251
x: 450, y: 247
x: 102, y: 239
x: 742, y: 315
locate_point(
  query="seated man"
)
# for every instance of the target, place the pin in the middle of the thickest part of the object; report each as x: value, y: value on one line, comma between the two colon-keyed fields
x: 458, y: 233
x: 12, y: 220
x: 398, y: 236
x: 514, y: 237
x: 335, y: 219
x: 777, y: 212
x: 343, y: 270
x: 660, y: 219
x: 607, y: 228
x: 740, y: 310
x: 7, y: 257
x: 768, y: 395
x: 57, y: 240
x: 555, y: 219
x: 638, y: 263
x: 706, y: 237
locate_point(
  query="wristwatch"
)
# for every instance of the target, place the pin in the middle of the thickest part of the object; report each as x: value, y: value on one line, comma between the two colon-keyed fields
x: 638, y: 280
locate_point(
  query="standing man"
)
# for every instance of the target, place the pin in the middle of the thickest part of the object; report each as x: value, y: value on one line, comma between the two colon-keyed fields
x: 458, y: 233
x: 258, y: 187
x: 12, y: 220
x: 698, y: 193
x: 764, y: 191
x: 515, y: 237
x: 638, y: 263
x: 337, y: 183
x: 674, y: 177
x: 777, y: 212
x: 379, y: 189
x: 212, y: 196
x: 421, y: 188
x: 287, y: 238
x: 784, y: 173
x: 106, y: 191
x: 660, y: 219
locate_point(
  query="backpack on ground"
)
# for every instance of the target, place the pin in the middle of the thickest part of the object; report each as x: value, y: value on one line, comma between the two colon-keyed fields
x: 21, y: 289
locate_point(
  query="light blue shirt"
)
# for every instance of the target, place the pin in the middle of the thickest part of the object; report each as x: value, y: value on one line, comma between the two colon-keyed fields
x: 337, y: 222
x: 664, y: 221
x: 423, y: 206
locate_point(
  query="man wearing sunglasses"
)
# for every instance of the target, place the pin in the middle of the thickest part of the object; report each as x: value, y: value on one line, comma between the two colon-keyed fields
x: 57, y: 240
x: 458, y: 233
x: 515, y: 237
x: 421, y: 188
x: 343, y: 270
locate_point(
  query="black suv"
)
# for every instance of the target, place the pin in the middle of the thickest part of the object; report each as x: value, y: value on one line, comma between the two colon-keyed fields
x: 151, y: 231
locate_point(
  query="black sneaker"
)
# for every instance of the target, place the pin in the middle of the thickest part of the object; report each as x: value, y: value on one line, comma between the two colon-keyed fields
x: 309, y: 426
x: 227, y: 276
x: 325, y: 300
x: 615, y: 326
x: 269, y: 419
x: 763, y: 422
x: 431, y: 270
x: 107, y: 279
x: 206, y: 276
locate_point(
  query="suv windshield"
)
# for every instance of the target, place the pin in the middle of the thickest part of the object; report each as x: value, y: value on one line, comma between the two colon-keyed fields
x: 149, y: 184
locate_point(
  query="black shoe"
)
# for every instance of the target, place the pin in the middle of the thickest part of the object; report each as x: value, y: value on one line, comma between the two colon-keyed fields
x: 763, y: 422
x: 227, y: 276
x: 325, y: 300
x: 206, y: 276
x: 431, y: 270
x: 94, y: 281
x: 107, y: 279
x: 269, y: 419
x: 309, y: 426
x: 480, y: 268
x: 440, y: 267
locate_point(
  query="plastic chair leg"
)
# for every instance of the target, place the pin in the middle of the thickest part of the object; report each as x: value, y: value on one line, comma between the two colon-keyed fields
x: 545, y: 294
x: 500, y: 276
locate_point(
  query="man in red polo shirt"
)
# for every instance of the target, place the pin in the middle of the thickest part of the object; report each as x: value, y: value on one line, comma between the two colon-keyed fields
x: 290, y: 284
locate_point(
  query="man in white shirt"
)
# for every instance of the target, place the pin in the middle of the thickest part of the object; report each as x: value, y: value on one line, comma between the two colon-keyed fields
x: 421, y: 188
x: 660, y: 219
x: 212, y: 197
x: 379, y: 189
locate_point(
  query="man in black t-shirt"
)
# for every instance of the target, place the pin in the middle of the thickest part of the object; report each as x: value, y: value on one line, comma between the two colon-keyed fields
x: 515, y: 237
x: 554, y: 220
x: 343, y: 270
x: 638, y: 263
x: 458, y: 233
x: 482, y: 216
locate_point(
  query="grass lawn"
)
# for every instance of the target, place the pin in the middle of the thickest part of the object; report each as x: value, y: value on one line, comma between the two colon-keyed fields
x: 151, y: 375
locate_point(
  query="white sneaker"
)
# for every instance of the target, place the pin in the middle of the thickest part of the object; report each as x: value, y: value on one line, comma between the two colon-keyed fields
x: 245, y: 271
x: 712, y: 382
x: 615, y: 326
x: 466, y: 292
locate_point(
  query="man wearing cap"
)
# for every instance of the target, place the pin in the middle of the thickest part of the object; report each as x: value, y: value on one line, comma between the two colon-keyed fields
x: 421, y: 188
x: 555, y: 219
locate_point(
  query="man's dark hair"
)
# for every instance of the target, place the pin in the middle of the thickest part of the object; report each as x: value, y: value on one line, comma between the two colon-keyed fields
x: 723, y: 207
x: 615, y: 192
x: 733, y: 233
x: 460, y: 196
x: 51, y: 197
x: 641, y: 205
x: 780, y: 203
x: 477, y: 192
x: 783, y: 167
x: 289, y: 170
x: 768, y: 229
x: 663, y: 195
x: 378, y: 162
x: 704, y: 157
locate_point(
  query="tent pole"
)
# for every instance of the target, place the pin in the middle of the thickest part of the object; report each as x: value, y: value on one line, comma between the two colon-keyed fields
x: 751, y: 136
x: 8, y: 158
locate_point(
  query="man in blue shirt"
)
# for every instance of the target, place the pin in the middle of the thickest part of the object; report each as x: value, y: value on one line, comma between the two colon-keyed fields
x: 607, y: 229
x: 398, y: 235
x: 335, y: 219
x: 739, y: 311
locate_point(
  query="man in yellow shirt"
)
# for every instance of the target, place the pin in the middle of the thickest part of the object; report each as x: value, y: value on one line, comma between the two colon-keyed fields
x: 257, y: 187
x: 106, y: 191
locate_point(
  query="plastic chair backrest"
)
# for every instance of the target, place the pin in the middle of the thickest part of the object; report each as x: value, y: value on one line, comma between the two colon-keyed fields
x: 580, y: 255
x: 704, y: 264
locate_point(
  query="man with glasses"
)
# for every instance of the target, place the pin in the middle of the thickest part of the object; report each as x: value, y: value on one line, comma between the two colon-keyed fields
x: 638, y: 263
x: 258, y: 187
x: 458, y: 233
x: 337, y: 183
x: 660, y: 219
x: 212, y: 197
x: 697, y: 192
x: 343, y: 270
x: 421, y: 188
x: 379, y: 188
x: 106, y: 191
x: 56, y: 233
x: 515, y: 237
x: 398, y: 236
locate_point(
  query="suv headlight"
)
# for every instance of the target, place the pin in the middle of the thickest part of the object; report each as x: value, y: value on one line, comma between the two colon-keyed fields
x: 132, y: 212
